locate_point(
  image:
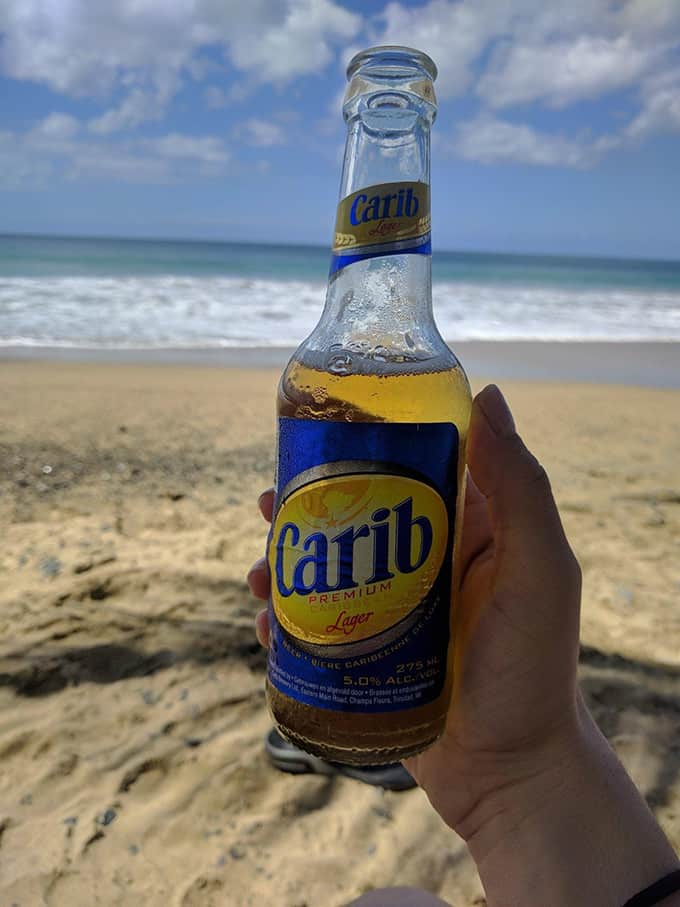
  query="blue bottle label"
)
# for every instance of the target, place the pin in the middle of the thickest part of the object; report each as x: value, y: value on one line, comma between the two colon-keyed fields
x: 360, y: 557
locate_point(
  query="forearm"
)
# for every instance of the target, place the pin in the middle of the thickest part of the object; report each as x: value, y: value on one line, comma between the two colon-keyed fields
x: 579, y: 834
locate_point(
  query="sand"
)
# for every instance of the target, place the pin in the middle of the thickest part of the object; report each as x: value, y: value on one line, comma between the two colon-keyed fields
x: 648, y: 364
x: 131, y: 705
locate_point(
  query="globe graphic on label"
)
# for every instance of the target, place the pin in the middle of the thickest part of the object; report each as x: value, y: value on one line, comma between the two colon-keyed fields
x: 338, y: 503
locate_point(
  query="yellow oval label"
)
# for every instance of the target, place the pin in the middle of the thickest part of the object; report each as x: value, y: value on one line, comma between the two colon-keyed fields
x: 382, y: 214
x: 351, y: 556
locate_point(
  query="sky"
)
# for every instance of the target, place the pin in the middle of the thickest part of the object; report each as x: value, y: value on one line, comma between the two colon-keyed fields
x: 558, y: 128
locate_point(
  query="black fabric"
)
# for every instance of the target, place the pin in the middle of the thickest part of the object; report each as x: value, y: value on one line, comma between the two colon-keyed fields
x: 657, y: 892
x: 288, y: 758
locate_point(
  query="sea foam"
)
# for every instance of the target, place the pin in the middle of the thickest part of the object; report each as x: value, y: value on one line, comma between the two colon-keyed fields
x: 166, y: 312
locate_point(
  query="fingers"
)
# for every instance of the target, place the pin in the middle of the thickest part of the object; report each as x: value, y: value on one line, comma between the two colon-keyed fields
x: 262, y: 628
x: 266, y: 504
x: 527, y: 529
x: 477, y: 534
x: 508, y: 475
x: 258, y: 579
x: 258, y: 575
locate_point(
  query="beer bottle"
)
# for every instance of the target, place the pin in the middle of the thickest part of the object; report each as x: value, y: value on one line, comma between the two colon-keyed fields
x: 373, y: 416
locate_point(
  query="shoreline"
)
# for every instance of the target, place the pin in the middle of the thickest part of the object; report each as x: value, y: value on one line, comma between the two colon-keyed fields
x: 631, y: 363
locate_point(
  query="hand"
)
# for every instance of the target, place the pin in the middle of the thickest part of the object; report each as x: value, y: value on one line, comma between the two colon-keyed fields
x: 514, y: 711
x: 517, y: 641
x: 521, y: 772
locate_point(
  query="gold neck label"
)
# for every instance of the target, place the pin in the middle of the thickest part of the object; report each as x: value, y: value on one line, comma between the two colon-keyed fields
x: 387, y: 219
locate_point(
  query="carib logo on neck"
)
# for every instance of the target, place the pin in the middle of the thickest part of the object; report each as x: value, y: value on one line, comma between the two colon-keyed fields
x: 386, y: 219
x: 352, y: 555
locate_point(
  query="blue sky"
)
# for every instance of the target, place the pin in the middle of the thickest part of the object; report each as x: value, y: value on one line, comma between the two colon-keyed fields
x: 558, y: 127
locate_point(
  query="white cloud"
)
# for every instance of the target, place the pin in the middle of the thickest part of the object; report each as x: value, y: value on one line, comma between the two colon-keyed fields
x: 660, y: 17
x: 261, y: 133
x: 133, y: 56
x: 57, y: 147
x: 513, y: 52
x: 299, y: 44
x: 452, y: 33
x: 557, y: 53
x: 100, y: 162
x: 236, y: 93
x: 19, y: 170
x: 562, y: 72
x: 661, y: 106
x: 456, y: 33
x: 57, y: 126
x: 288, y: 116
x: 82, y: 48
x: 138, y: 107
x: 208, y: 149
x: 490, y: 140
x: 146, y: 47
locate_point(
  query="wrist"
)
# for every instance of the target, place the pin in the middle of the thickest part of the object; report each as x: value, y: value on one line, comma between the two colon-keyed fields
x: 527, y: 782
x: 573, y: 830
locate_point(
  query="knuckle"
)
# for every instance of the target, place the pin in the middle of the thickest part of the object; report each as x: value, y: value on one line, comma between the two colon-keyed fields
x: 575, y: 572
x: 534, y: 473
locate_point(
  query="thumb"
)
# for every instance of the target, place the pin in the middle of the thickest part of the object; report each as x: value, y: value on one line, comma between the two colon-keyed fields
x: 527, y: 530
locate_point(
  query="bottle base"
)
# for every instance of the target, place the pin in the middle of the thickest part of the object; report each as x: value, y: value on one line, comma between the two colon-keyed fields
x: 352, y: 756
x: 356, y: 738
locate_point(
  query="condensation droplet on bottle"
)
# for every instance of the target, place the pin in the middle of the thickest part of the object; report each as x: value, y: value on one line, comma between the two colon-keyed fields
x: 339, y: 363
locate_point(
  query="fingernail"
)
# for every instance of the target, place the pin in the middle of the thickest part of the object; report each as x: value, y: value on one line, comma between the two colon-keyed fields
x: 259, y: 565
x: 496, y: 411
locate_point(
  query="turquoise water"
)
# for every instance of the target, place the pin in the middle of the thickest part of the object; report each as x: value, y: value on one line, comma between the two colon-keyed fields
x: 51, y: 257
x: 118, y: 292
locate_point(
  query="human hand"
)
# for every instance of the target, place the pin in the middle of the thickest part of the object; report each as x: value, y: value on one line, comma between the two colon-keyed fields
x: 517, y: 640
x: 521, y: 772
x: 514, y: 712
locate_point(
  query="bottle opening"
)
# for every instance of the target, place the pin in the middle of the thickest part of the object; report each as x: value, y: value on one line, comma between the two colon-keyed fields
x: 392, y: 61
x: 384, y: 80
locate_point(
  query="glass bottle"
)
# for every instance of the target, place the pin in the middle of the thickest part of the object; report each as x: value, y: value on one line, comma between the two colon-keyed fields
x: 373, y: 418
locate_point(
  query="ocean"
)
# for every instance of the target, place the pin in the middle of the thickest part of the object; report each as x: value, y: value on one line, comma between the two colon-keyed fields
x: 149, y: 294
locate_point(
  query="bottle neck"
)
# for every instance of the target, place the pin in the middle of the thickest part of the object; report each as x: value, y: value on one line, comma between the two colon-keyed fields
x: 384, y: 206
x: 374, y: 157
x: 378, y: 312
x: 379, y: 300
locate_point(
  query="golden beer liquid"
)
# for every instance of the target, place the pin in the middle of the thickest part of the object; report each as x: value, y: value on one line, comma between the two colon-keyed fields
x: 417, y: 396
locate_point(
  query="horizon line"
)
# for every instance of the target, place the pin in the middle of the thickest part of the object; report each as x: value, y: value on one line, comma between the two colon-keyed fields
x: 306, y: 245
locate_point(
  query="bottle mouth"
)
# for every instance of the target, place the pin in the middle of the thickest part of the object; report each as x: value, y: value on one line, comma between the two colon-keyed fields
x: 392, y: 60
x: 388, y: 86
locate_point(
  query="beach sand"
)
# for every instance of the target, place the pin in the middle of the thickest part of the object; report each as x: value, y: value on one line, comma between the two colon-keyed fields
x: 131, y: 686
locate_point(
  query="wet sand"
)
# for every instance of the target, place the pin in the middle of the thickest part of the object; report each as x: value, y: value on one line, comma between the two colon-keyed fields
x: 650, y: 364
